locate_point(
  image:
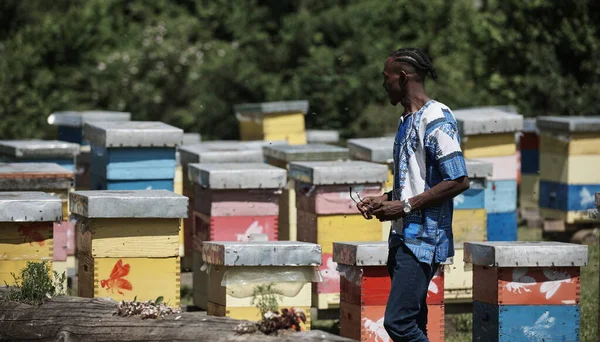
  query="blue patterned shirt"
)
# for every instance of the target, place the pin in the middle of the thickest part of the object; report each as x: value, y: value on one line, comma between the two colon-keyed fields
x: 426, y: 151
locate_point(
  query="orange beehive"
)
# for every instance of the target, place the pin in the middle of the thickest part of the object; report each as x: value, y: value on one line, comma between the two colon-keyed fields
x: 364, y: 289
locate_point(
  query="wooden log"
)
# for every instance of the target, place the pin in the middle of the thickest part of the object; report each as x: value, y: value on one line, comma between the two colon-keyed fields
x: 72, y: 319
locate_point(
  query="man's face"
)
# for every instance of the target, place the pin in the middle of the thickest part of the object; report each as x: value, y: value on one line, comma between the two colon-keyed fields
x: 391, y: 82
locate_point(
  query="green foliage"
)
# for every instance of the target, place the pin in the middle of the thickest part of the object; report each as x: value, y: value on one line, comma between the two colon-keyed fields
x: 188, y: 62
x: 266, y: 298
x: 35, y: 285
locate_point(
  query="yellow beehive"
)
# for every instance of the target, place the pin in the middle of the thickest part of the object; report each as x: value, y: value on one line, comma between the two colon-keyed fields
x: 569, y: 151
x: 458, y: 280
x: 273, y: 121
x: 26, y: 230
x: 240, y: 272
x: 327, y: 213
x: 128, y: 243
x: 530, y: 190
x: 281, y: 156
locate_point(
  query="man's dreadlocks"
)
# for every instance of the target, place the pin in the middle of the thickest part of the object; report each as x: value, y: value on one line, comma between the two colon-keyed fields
x: 416, y: 58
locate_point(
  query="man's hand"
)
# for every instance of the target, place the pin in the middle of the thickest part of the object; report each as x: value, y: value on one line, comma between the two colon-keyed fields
x: 368, y: 204
x: 389, y: 210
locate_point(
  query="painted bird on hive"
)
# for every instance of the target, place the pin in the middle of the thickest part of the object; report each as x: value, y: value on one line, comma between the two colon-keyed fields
x: 30, y: 234
x: 116, y: 281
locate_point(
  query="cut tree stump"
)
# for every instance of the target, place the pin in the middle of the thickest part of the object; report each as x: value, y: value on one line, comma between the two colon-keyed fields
x: 72, y: 319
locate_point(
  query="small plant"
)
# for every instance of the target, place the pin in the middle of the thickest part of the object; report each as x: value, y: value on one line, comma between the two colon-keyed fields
x: 148, y: 309
x: 266, y: 299
x: 34, y: 285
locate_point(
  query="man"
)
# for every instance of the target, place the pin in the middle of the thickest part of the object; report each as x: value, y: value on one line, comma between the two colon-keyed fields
x: 429, y: 170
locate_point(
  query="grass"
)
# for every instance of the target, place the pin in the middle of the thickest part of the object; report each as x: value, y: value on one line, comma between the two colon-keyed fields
x: 459, y: 326
x: 35, y: 284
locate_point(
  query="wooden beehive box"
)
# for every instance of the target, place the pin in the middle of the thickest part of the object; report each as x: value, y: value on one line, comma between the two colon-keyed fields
x: 327, y: 213
x: 281, y: 156
x: 213, y: 152
x: 236, y: 268
x: 569, y: 146
x: 133, y: 155
x: 40, y: 151
x: 232, y: 202
x: 46, y: 177
x: 526, y: 290
x: 26, y: 230
x: 273, y: 121
x: 70, y: 123
x: 530, y: 167
x: 488, y: 134
x: 127, y: 243
x: 365, y: 287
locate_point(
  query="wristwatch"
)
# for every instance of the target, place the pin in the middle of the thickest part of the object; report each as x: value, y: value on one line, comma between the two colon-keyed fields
x: 406, y: 206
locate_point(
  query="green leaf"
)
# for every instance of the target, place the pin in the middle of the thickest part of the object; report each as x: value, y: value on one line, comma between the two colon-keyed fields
x: 159, y: 300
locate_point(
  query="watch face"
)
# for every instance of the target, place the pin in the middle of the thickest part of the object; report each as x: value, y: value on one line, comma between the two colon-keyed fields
x: 407, y: 210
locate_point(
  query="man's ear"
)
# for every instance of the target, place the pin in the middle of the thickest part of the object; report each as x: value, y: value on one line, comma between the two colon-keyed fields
x: 402, y: 78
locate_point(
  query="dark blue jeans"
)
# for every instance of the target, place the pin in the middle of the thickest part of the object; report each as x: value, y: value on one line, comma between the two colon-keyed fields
x: 406, y: 310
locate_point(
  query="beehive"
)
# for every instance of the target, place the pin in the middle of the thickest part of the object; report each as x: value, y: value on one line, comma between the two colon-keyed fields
x: 273, y: 121
x: 188, y: 139
x: 488, y: 134
x: 322, y: 136
x: 236, y: 269
x: 376, y: 150
x: 569, y: 147
x: 469, y: 223
x: 530, y: 168
x: 526, y: 290
x: 364, y: 289
x: 127, y: 243
x: 133, y: 155
x: 281, y: 156
x: 40, y: 151
x: 327, y: 213
x: 46, y: 177
x: 26, y: 230
x: 221, y: 151
x: 233, y: 202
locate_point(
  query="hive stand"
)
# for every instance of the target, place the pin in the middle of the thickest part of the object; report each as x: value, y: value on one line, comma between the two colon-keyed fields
x: 376, y: 150
x: 232, y: 202
x: 469, y: 223
x: 321, y: 136
x: 127, y: 243
x: 281, y: 156
x: 133, y: 155
x: 235, y: 269
x: 70, y: 129
x: 327, y: 213
x: 364, y: 289
x: 526, y: 290
x: 488, y: 134
x: 529, y: 181
x: 223, y: 151
x: 273, y: 121
x: 39, y: 151
x: 26, y: 230
x: 569, y: 148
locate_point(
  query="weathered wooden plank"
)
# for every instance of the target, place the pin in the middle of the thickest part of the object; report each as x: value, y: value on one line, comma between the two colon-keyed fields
x: 79, y: 319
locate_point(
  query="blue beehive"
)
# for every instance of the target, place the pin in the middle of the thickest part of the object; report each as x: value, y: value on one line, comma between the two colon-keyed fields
x: 132, y: 155
x: 39, y: 151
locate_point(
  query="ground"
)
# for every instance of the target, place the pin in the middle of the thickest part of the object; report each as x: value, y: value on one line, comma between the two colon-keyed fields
x: 459, y: 326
